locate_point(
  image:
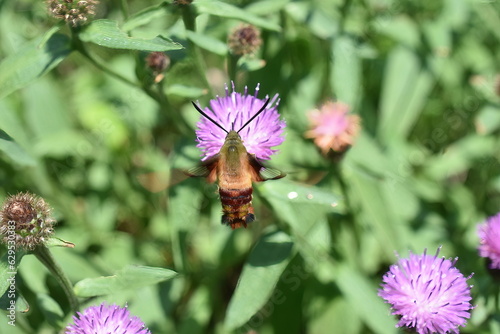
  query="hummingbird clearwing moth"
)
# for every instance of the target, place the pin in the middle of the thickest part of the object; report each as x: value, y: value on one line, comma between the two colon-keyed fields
x: 235, y: 169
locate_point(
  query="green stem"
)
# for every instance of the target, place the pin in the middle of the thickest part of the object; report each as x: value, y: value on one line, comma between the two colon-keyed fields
x: 337, y: 169
x: 107, y: 70
x: 189, y: 19
x: 343, y: 186
x: 232, y: 62
x: 124, y: 8
x: 80, y: 47
x: 43, y: 254
x: 171, y: 121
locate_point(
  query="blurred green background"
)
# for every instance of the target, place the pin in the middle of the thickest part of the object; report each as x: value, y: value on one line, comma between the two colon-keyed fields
x: 105, y: 151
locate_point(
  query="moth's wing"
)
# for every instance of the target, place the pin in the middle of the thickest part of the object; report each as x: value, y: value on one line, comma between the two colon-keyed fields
x: 262, y: 173
x: 207, y: 169
x: 268, y: 173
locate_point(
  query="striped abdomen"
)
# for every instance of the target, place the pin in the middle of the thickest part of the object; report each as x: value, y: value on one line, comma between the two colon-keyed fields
x: 237, y: 210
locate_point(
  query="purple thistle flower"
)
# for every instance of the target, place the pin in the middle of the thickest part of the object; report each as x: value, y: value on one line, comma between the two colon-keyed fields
x: 428, y: 293
x: 232, y: 112
x: 106, y: 319
x: 489, y: 233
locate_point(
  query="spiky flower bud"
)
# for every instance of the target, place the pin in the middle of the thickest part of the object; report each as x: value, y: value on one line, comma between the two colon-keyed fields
x: 244, y: 39
x: 157, y: 62
x: 25, y: 219
x: 74, y: 12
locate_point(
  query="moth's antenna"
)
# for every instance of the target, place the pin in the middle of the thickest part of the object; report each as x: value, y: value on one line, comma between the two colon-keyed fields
x: 256, y: 114
x: 207, y: 117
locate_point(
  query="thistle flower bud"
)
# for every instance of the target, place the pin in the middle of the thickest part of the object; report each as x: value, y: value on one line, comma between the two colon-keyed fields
x: 244, y: 39
x: 25, y: 219
x: 74, y: 12
x: 157, y: 62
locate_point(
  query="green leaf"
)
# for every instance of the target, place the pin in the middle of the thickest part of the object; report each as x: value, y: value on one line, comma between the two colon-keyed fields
x: 130, y: 278
x: 95, y: 114
x: 323, y: 24
x: 32, y: 61
x: 305, y: 209
x: 297, y: 193
x: 346, y: 71
x: 250, y: 64
x: 14, y: 151
x: 403, y: 96
x: 8, y: 269
x: 261, y: 273
x: 488, y: 119
x: 266, y: 6
x: 337, y: 314
x: 197, y: 313
x: 10, y: 326
x: 57, y: 242
x: 368, y: 191
x: 208, y: 43
x: 106, y: 33
x: 145, y: 16
x: 368, y: 155
x: 222, y: 9
x: 34, y: 274
x: 460, y: 156
x: 75, y: 264
x: 12, y: 125
x: 62, y: 144
x: 402, y: 29
x: 7, y: 303
x: 488, y: 15
x: 46, y: 110
x: 51, y: 310
x: 362, y: 296
x: 186, y: 91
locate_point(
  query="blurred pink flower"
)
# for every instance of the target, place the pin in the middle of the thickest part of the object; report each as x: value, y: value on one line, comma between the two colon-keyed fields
x: 332, y: 127
x: 489, y: 233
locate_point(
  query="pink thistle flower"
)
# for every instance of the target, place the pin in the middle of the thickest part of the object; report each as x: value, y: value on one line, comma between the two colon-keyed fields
x: 232, y: 112
x: 489, y: 234
x: 332, y: 128
x: 106, y: 319
x: 428, y: 293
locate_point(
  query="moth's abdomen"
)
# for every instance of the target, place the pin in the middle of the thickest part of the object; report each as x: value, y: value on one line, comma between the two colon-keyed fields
x: 236, y: 207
